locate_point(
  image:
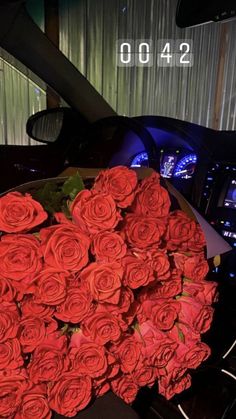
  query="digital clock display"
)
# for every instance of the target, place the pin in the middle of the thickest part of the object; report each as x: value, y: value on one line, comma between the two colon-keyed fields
x: 143, y: 53
x: 230, y: 198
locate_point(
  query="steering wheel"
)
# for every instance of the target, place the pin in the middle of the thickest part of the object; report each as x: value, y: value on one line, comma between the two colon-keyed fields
x: 111, y: 139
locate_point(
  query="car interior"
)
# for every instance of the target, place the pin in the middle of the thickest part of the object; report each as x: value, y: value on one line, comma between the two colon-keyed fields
x: 198, y: 160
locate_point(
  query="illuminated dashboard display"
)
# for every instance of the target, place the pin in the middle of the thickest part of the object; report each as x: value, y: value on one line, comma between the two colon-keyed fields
x: 183, y: 168
x: 186, y: 166
x: 230, y: 198
x: 167, y: 165
x: 229, y: 234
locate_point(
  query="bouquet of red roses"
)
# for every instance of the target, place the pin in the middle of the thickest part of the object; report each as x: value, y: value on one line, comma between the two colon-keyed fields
x: 108, y: 295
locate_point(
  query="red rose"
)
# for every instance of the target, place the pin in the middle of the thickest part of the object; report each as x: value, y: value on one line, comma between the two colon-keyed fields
x: 204, y: 292
x: 129, y: 316
x: 168, y: 289
x: 100, y: 384
x: 65, y: 247
x: 159, y: 349
x: 126, y: 300
x: 32, y: 332
x: 197, y: 242
x: 153, y: 178
x: 49, y: 359
x: 78, y: 338
x: 162, y: 312
x: 7, y: 291
x: 195, y: 314
x: 108, y: 246
x: 175, y: 387
x: 19, y: 257
x: 20, y: 213
x: 61, y: 218
x: 94, y: 211
x: 34, y: 404
x: 9, y: 321
x: 193, y: 355
x: 152, y: 199
x: 182, y: 333
x: 160, y: 264
x: 101, y: 389
x: 125, y: 303
x: 180, y: 231
x: 12, y: 386
x: 137, y: 273
x: 70, y: 394
x: 174, y: 371
x: 165, y: 289
x: 10, y: 355
x: 193, y: 267
x: 51, y: 286
x: 128, y: 352
x: 144, y: 376
x: 89, y: 359
x: 125, y: 388
x: 30, y: 307
x: 143, y: 232
x: 102, y: 327
x: 104, y: 280
x: 113, y: 310
x: 119, y: 182
x: 77, y: 305
x: 74, y: 280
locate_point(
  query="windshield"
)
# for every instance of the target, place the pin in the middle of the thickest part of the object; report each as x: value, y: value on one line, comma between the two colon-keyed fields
x: 190, y: 73
x: 133, y: 53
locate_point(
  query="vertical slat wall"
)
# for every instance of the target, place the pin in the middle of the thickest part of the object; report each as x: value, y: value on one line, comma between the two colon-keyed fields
x: 228, y: 108
x: 19, y: 98
x: 89, y: 30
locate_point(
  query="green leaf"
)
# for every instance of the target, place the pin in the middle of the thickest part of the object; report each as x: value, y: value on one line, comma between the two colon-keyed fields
x: 136, y: 327
x: 36, y: 235
x: 49, y: 197
x: 64, y: 329
x: 185, y: 279
x: 73, y: 185
x: 65, y: 210
x: 181, y: 336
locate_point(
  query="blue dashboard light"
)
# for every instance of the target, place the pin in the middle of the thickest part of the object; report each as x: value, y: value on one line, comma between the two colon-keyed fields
x: 185, y: 167
x: 140, y: 160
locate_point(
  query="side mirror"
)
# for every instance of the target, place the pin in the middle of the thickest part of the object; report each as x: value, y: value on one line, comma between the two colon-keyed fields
x: 46, y: 126
x: 57, y: 125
